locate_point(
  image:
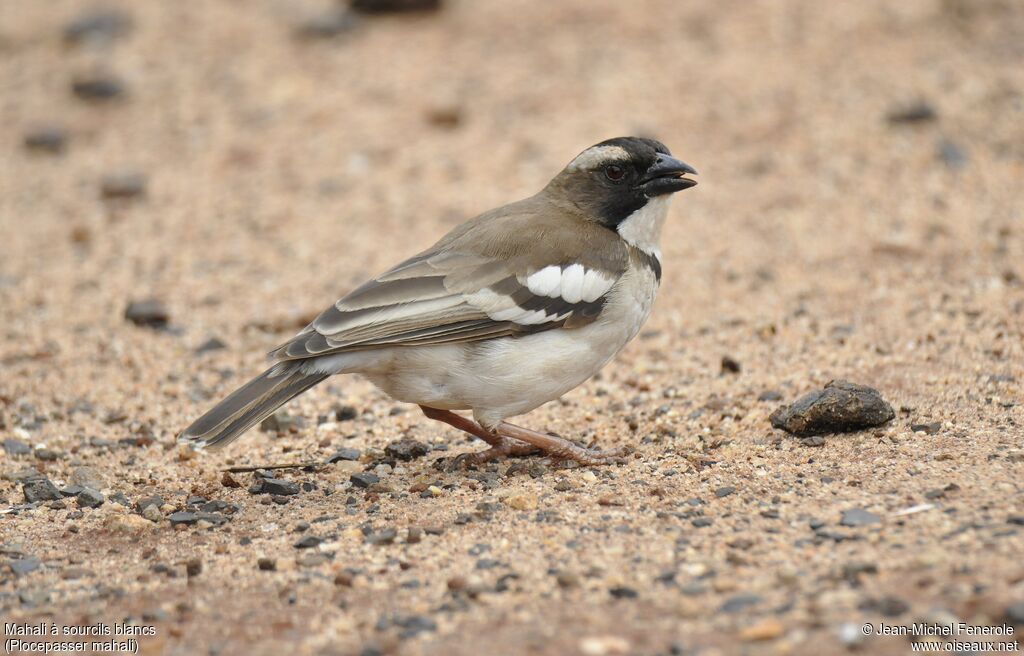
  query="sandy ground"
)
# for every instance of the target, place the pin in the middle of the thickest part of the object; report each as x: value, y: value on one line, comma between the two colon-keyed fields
x: 827, y: 239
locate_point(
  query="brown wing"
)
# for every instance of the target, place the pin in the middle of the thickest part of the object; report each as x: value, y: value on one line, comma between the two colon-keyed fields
x: 497, y: 276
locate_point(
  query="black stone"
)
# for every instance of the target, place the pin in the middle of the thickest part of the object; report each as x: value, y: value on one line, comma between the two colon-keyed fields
x: 48, y: 140
x: 724, y: 491
x: 770, y: 395
x: 333, y: 23
x: 308, y: 542
x: 97, y: 89
x: 394, y: 6
x: 929, y: 428
x: 23, y: 566
x: 39, y: 488
x: 344, y: 454
x: 345, y: 413
x: 186, y: 517
x: 90, y: 498
x: 154, y: 500
x: 622, y: 592
x: 364, y: 479
x: 212, y: 344
x: 838, y: 408
x: 701, y: 522
x: 1015, y: 614
x: 739, y: 603
x: 98, y: 25
x: 123, y: 186
x: 274, y: 486
x: 887, y: 606
x: 149, y: 313
x: 730, y: 365
x: 386, y: 536
x: 406, y: 449
x: 858, y: 517
x: 919, y: 112
x: 15, y: 447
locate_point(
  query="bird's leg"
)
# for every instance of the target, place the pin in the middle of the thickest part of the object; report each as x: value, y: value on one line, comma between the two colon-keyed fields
x: 500, y: 446
x: 558, y: 447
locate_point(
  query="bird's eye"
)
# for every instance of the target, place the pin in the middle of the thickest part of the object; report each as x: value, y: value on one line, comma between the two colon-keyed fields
x: 614, y: 172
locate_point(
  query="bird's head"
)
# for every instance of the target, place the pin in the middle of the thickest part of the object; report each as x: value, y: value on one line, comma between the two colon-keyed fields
x: 612, y: 180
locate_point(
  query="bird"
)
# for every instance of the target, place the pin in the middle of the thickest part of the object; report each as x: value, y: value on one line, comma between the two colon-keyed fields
x: 508, y: 311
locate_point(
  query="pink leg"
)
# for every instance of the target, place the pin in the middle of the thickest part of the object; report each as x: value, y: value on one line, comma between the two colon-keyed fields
x: 558, y: 447
x: 500, y: 446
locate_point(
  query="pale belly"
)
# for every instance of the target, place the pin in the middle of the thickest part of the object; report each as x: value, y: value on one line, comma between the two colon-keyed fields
x: 505, y: 377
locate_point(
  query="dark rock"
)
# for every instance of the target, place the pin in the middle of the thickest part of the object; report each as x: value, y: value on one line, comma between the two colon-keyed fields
x: 13, y: 447
x: 149, y: 313
x: 1017, y: 520
x: 887, y: 606
x: 739, y: 603
x: 838, y: 408
x: 97, y: 88
x: 274, y: 486
x: 193, y: 567
x: 72, y: 490
x: 123, y: 186
x: 951, y: 154
x: 120, y: 499
x: 930, y: 428
x: 918, y: 112
x: 394, y: 6
x: 1015, y: 614
x: 47, y: 455
x: 279, y: 422
x: 266, y: 564
x: 380, y: 538
x: 23, y: 566
x: 344, y: 454
x: 730, y: 365
x: 345, y: 413
x: 413, y: 625
x: 185, y: 517
x: 90, y: 498
x: 858, y: 517
x: 212, y: 344
x: 154, y: 500
x: 770, y: 395
x: 39, y: 488
x: 97, y: 26
x: 49, y: 140
x: 308, y: 542
x: 622, y: 592
x: 446, y: 117
x: 724, y: 491
x: 331, y: 24
x: 364, y: 479
x: 813, y: 440
x: 406, y: 449
x: 701, y: 522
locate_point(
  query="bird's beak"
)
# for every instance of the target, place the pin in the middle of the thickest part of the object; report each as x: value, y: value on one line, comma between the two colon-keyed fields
x: 665, y: 176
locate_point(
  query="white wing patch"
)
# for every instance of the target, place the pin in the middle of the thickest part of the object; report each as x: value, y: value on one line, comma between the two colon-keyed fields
x: 546, y: 282
x: 573, y: 283
x: 502, y: 308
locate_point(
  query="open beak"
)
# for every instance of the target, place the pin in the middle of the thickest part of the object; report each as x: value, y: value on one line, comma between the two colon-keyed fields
x: 665, y: 176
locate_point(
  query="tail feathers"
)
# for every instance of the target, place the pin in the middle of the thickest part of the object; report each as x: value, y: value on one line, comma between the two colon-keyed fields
x: 247, y: 406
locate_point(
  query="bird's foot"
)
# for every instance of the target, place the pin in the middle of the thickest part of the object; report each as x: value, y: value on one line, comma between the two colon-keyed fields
x: 503, y: 449
x: 559, y: 447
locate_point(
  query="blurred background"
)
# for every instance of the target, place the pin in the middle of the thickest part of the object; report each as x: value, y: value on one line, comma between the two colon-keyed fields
x: 185, y: 184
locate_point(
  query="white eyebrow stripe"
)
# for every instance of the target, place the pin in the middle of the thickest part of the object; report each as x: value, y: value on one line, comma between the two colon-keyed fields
x: 594, y: 155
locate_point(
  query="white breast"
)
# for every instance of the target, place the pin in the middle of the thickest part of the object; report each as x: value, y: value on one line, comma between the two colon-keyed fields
x: 505, y: 377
